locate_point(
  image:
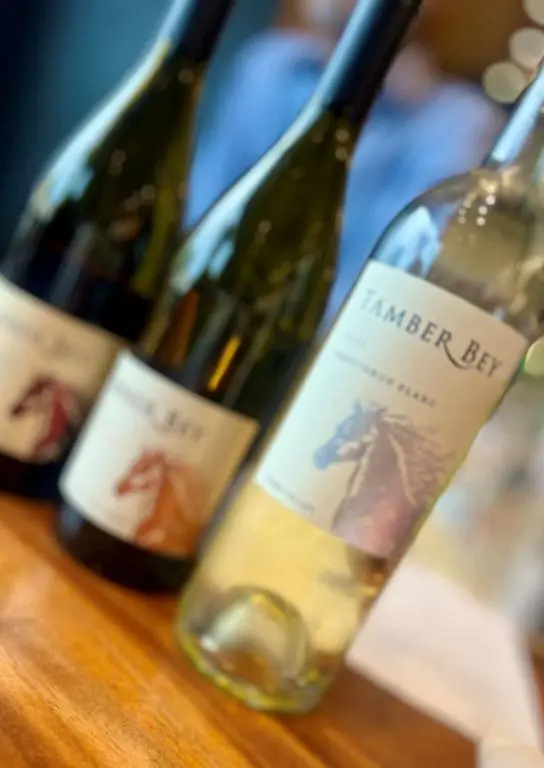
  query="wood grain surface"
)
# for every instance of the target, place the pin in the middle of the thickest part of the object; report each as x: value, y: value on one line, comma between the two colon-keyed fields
x: 90, y: 676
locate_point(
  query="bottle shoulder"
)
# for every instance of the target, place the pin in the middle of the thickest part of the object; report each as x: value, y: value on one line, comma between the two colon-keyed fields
x: 478, y: 236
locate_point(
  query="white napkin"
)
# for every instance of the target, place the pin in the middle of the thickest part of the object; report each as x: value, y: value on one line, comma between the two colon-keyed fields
x: 502, y: 754
x: 434, y: 645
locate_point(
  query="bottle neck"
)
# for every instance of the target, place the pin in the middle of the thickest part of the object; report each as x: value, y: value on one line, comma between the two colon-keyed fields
x: 363, y: 56
x: 192, y: 27
x: 522, y: 140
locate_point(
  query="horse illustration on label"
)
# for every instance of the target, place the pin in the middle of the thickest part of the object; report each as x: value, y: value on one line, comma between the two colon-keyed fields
x: 61, y: 409
x: 176, y: 503
x: 398, y: 471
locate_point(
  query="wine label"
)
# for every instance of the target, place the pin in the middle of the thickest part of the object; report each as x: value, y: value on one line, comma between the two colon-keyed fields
x: 403, y: 383
x: 53, y: 366
x: 154, y: 460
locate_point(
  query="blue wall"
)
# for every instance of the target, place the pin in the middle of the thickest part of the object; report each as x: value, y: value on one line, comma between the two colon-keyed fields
x: 59, y: 57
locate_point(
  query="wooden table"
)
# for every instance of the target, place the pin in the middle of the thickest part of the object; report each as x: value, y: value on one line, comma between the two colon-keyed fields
x: 90, y: 676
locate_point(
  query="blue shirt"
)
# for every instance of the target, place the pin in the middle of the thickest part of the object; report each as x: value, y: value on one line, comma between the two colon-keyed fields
x: 404, y: 148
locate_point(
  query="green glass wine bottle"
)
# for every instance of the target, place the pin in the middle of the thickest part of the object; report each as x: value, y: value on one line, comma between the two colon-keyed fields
x: 176, y: 420
x: 94, y: 246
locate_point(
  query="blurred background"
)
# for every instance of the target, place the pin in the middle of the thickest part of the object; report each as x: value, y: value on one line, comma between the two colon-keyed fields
x: 464, y: 63
x: 444, y: 102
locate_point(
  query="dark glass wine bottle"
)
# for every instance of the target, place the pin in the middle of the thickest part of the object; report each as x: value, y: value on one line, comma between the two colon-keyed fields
x: 93, y: 248
x: 174, y: 423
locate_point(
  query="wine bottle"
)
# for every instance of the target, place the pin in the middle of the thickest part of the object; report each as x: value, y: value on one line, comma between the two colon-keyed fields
x: 93, y: 248
x: 423, y: 350
x: 176, y: 420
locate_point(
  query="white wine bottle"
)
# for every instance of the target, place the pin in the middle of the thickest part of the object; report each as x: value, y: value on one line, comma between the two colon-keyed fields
x: 177, y: 418
x: 93, y: 249
x: 422, y: 352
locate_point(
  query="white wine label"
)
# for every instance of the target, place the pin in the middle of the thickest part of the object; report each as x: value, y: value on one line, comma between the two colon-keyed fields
x: 154, y: 460
x: 53, y: 366
x: 407, y: 376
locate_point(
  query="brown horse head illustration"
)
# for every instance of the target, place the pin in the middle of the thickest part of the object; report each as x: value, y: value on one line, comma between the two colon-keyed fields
x: 178, y: 503
x: 144, y: 474
x: 61, y: 410
x: 397, y: 473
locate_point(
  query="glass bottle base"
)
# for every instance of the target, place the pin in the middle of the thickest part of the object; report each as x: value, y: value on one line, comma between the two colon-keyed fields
x: 256, y: 647
x: 30, y: 481
x: 117, y: 560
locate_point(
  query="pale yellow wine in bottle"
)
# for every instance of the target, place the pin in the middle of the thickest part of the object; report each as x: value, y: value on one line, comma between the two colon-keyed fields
x: 421, y: 354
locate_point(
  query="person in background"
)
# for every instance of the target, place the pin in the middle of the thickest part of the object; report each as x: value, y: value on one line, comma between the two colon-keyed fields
x: 423, y: 128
